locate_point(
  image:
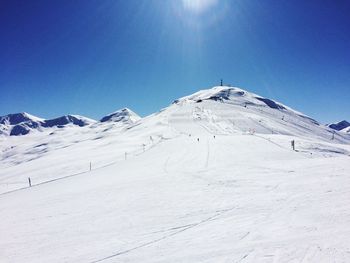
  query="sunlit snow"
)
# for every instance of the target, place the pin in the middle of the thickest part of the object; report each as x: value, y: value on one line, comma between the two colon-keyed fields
x: 211, y: 178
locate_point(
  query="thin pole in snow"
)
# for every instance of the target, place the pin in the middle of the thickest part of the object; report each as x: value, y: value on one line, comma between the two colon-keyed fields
x: 221, y: 83
x: 30, y: 182
x: 293, y: 145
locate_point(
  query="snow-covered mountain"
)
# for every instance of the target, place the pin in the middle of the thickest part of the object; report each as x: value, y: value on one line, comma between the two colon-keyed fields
x: 232, y: 110
x: 239, y: 111
x: 339, y: 125
x: 212, y: 175
x: 17, y: 118
x: 62, y: 121
x: 19, y: 123
x: 124, y: 115
x: 220, y: 110
x: 23, y: 123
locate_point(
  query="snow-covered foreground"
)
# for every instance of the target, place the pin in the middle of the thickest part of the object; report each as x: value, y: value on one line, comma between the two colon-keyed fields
x: 188, y: 201
x: 202, y: 182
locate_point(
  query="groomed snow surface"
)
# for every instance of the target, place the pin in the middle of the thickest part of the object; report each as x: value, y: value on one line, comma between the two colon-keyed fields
x: 211, y: 178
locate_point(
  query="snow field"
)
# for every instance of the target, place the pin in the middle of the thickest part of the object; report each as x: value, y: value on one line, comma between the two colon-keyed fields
x: 202, y: 182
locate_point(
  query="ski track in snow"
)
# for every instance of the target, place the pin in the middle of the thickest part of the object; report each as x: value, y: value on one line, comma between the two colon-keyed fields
x: 183, y: 229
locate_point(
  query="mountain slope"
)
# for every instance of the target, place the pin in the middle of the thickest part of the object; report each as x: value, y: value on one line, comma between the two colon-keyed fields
x: 17, y: 118
x: 211, y: 178
x: 218, y: 111
x: 339, y: 125
x: 19, y: 123
x: 123, y: 115
x: 230, y: 110
x: 68, y: 119
x: 183, y: 200
x: 346, y: 129
x: 23, y: 123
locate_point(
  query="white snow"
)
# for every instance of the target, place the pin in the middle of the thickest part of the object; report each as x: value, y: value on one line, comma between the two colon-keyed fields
x: 341, y: 125
x: 19, y: 124
x: 347, y: 129
x: 164, y: 189
x: 122, y: 115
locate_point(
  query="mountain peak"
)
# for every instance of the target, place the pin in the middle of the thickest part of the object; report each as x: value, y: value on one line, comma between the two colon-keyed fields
x: 18, y: 123
x: 214, y: 93
x: 339, y: 125
x: 233, y: 95
x: 122, y: 115
x: 22, y: 123
x: 16, y: 118
x: 68, y: 119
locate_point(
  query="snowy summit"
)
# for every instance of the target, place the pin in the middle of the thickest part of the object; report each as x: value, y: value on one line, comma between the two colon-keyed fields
x: 123, y: 115
x: 342, y: 125
x: 23, y: 123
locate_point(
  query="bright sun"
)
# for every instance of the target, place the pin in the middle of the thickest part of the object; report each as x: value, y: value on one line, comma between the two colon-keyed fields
x: 198, y: 6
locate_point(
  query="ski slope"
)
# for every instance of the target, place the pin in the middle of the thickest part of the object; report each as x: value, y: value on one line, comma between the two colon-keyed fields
x: 208, y: 181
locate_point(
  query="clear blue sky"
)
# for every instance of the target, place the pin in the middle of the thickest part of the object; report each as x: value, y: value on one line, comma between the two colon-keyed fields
x: 92, y: 57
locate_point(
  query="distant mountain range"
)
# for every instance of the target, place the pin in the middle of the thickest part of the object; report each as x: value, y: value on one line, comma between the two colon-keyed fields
x: 24, y: 123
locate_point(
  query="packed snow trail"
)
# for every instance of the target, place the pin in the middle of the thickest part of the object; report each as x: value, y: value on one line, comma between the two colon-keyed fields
x: 135, y: 210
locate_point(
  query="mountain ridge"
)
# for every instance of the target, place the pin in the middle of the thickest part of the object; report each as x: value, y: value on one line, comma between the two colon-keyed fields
x: 122, y: 115
x: 338, y: 126
x: 267, y: 112
x: 16, y: 124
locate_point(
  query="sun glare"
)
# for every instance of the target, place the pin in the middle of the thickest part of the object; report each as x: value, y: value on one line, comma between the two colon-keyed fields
x: 200, y: 14
x: 198, y: 6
